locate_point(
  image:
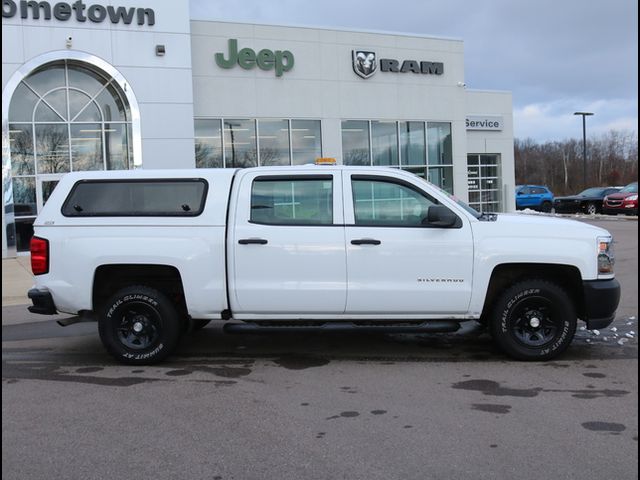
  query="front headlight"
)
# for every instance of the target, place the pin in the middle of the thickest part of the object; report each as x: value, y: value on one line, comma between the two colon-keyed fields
x: 632, y: 198
x: 606, y: 258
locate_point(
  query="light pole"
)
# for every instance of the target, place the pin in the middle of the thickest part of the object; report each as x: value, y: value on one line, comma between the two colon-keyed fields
x: 584, y: 145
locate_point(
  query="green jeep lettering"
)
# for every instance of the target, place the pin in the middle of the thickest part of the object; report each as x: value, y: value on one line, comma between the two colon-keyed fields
x: 265, y: 59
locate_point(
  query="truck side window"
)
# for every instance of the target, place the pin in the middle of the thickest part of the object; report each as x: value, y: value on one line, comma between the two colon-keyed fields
x: 295, y: 201
x: 136, y: 198
x: 385, y: 203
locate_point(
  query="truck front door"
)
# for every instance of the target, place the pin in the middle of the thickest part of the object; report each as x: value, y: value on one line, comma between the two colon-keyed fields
x: 286, y: 246
x: 398, y: 263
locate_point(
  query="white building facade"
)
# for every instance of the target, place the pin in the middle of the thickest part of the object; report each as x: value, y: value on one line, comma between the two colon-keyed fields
x: 130, y: 85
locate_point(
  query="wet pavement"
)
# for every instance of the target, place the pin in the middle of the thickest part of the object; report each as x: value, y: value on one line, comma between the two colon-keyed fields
x: 317, y: 406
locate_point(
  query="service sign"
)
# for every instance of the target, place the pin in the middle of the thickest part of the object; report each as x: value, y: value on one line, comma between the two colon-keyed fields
x: 484, y: 122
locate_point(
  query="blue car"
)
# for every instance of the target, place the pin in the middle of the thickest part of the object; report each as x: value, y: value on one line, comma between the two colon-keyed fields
x: 535, y: 197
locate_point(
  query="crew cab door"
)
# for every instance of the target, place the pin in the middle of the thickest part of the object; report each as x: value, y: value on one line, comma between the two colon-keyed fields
x: 397, y: 263
x: 286, y: 244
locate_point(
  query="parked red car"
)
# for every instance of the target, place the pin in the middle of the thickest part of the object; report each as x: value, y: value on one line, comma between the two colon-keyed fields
x: 625, y: 201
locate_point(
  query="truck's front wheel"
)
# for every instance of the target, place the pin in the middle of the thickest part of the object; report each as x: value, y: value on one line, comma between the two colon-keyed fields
x: 534, y: 320
x: 139, y: 326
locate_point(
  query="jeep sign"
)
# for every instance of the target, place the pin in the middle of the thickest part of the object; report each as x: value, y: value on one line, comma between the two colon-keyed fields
x: 247, y: 58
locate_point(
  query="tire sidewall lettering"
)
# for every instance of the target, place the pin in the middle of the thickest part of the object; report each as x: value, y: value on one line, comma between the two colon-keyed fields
x: 135, y: 298
x: 561, y: 338
x: 506, y: 313
x: 131, y: 298
x: 145, y: 356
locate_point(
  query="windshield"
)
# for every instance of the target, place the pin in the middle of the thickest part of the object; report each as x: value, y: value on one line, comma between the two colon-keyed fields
x: 633, y: 188
x: 592, y: 192
x: 469, y: 209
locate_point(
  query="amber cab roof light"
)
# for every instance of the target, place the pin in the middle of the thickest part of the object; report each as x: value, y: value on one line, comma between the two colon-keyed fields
x: 325, y: 161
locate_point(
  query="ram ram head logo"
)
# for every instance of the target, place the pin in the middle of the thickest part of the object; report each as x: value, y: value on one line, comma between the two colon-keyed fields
x: 364, y: 63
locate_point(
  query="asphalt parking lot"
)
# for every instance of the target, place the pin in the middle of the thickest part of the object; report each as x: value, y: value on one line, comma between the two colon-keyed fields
x: 326, y: 406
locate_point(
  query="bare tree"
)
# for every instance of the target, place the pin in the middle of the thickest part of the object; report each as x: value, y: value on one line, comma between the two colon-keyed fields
x: 612, y: 159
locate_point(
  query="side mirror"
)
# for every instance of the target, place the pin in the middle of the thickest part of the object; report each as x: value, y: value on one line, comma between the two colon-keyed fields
x: 520, y: 193
x: 441, y: 216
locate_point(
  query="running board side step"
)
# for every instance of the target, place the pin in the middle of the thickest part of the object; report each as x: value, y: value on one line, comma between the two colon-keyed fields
x: 437, y: 326
x: 83, y: 316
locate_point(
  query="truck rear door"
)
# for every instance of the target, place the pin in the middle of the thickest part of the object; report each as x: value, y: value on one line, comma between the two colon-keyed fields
x: 286, y: 243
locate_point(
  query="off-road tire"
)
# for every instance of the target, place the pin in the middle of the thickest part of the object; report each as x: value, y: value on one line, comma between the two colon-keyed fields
x: 139, y: 325
x: 526, y: 304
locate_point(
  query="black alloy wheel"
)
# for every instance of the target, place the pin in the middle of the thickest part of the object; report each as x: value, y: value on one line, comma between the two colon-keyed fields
x: 140, y: 326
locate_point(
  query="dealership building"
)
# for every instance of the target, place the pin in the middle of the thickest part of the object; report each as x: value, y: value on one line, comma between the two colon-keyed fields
x: 124, y: 85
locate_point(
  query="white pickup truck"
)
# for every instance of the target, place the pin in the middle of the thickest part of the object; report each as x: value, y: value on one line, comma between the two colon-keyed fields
x: 151, y: 254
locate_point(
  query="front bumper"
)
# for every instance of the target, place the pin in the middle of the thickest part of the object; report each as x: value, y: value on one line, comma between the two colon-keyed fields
x: 42, y: 302
x: 626, y: 209
x: 601, y: 298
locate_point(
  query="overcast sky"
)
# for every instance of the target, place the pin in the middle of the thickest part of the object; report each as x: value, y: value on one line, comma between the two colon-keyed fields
x: 556, y: 56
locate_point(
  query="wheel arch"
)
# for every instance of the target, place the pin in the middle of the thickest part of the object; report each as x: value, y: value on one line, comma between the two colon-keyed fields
x: 110, y: 278
x: 504, y: 275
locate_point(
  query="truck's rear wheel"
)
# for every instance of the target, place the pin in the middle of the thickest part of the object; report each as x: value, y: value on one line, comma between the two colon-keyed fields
x: 533, y: 320
x: 139, y: 326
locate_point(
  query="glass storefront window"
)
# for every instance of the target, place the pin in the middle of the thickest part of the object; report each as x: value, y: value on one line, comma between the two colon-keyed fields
x: 45, y: 113
x: 86, y: 81
x: 113, y: 107
x: 24, y: 232
x: 208, y: 143
x: 421, y: 172
x: 52, y: 148
x: 57, y: 101
x: 21, y: 144
x: 86, y: 147
x: 240, y: 143
x: 64, y: 116
x: 384, y: 143
x: 442, y: 177
x: 412, y: 143
x: 355, y: 142
x: 306, y: 141
x: 46, y: 78
x: 81, y: 108
x: 484, y: 182
x: 273, y: 140
x: 413, y: 147
x: 439, y: 143
x: 118, y: 146
x: 48, y: 186
x: 22, y: 104
x: 24, y: 196
x: 278, y: 142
